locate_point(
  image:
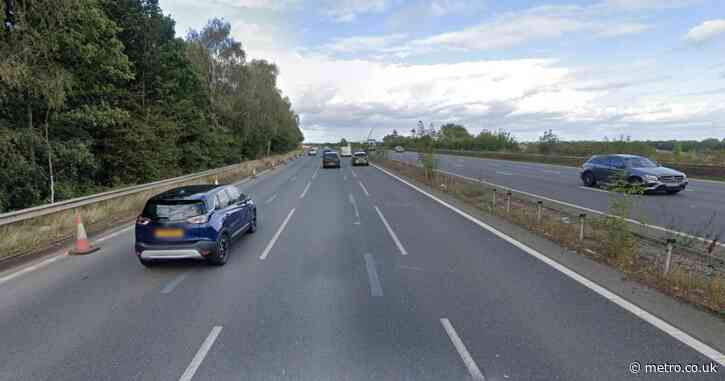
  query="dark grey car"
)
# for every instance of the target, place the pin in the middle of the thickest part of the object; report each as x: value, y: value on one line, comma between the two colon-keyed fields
x: 331, y: 159
x: 603, y: 169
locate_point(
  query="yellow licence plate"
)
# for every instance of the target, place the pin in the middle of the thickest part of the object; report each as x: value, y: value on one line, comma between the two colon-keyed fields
x: 169, y: 233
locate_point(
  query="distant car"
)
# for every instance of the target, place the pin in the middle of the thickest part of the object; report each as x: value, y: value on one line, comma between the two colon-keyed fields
x: 360, y: 158
x: 330, y: 159
x: 326, y: 150
x: 346, y: 151
x: 312, y: 152
x: 602, y: 169
x: 399, y: 149
x: 197, y: 221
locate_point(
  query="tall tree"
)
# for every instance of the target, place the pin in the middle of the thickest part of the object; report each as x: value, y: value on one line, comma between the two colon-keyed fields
x: 56, y: 50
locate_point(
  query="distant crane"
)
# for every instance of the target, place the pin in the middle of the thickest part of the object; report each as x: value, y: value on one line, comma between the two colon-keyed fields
x: 371, y: 141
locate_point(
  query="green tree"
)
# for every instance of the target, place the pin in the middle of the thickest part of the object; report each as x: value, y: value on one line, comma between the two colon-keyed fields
x: 100, y: 93
x: 548, y: 142
x: 455, y: 136
x: 55, y: 54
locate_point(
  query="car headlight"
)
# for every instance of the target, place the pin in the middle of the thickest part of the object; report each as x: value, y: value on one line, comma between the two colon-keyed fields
x: 651, y: 178
x: 198, y: 219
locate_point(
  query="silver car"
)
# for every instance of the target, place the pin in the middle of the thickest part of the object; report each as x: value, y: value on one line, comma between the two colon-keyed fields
x: 603, y: 169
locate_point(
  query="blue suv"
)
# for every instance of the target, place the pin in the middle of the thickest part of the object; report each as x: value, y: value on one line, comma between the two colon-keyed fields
x: 198, y: 221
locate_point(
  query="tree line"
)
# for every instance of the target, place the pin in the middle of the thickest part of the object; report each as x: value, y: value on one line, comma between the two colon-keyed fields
x: 452, y: 136
x: 456, y: 137
x: 96, y: 94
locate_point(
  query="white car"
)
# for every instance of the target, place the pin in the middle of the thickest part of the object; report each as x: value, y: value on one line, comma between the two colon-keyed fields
x: 360, y: 158
x: 399, y: 149
x: 312, y: 152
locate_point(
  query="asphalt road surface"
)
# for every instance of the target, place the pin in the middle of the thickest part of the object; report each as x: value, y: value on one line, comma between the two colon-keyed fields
x: 352, y: 275
x: 699, y: 210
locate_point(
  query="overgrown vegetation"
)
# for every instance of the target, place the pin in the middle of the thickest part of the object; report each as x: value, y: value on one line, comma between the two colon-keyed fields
x: 97, y: 94
x: 619, y: 240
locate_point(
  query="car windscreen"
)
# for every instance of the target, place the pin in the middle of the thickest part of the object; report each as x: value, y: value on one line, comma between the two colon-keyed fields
x: 330, y: 155
x: 639, y: 162
x: 173, y: 210
x: 361, y: 154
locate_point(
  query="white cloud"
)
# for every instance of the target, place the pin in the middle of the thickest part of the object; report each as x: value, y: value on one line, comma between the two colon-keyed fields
x: 504, y: 32
x: 345, y: 98
x: 259, y: 4
x: 516, y: 28
x: 444, y: 7
x: 648, y: 4
x: 364, y: 43
x: 349, y: 10
x: 706, y: 31
x: 623, y: 29
x: 256, y: 36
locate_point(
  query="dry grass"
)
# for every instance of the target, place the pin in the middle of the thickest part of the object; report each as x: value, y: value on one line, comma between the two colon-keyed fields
x: 39, y: 233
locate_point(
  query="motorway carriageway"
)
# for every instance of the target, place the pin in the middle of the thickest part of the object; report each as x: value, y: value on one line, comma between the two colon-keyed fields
x: 352, y: 275
x: 698, y: 210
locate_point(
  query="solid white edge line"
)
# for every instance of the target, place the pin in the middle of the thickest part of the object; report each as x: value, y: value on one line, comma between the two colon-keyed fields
x: 392, y: 233
x: 664, y: 326
x: 364, y: 189
x: 30, y: 268
x: 462, y: 351
x: 593, y: 189
x: 306, y: 189
x: 201, y: 354
x: 376, y: 288
x: 55, y: 257
x: 660, y: 228
x: 115, y: 234
x: 174, y: 282
x: 271, y: 243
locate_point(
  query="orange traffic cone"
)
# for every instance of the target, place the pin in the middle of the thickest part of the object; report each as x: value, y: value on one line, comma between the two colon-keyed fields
x: 83, y: 246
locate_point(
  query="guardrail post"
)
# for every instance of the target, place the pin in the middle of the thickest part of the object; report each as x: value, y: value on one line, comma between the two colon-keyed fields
x: 493, y: 199
x: 508, y: 202
x: 539, y: 211
x: 668, y: 259
x: 480, y: 176
x: 582, y: 218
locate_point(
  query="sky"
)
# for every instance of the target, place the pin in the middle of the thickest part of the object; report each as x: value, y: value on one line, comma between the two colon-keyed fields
x: 588, y: 69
